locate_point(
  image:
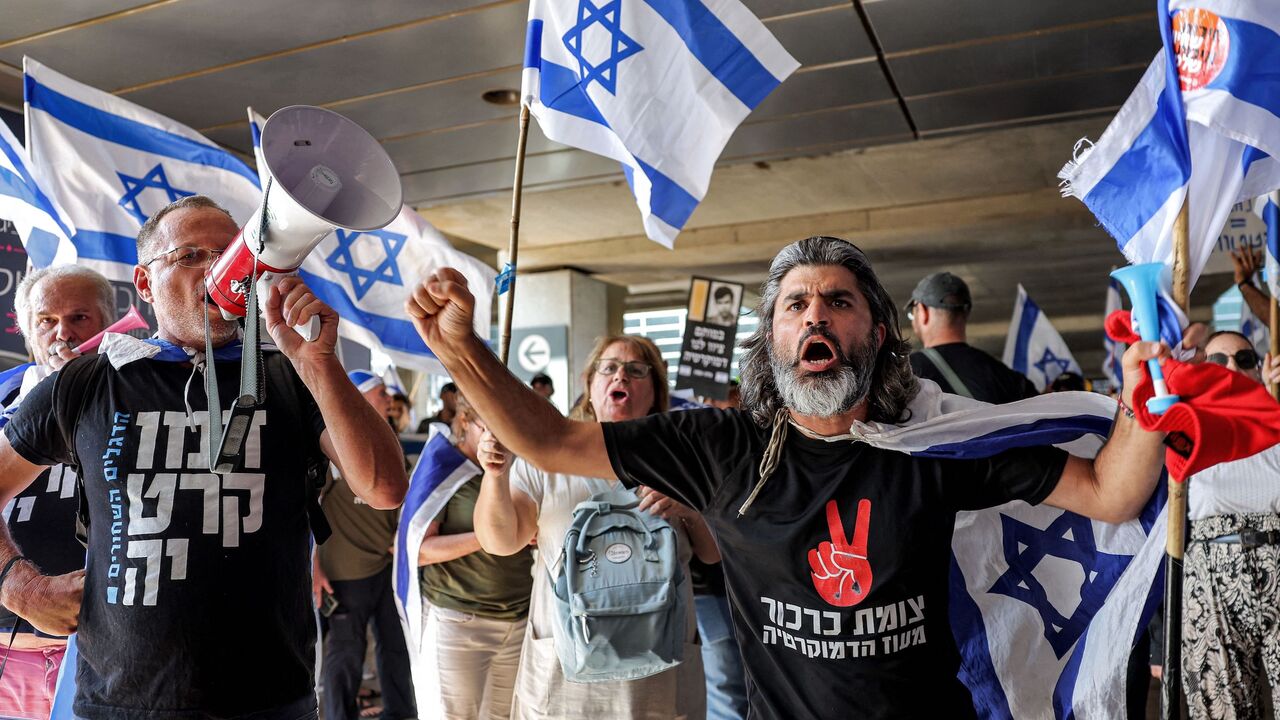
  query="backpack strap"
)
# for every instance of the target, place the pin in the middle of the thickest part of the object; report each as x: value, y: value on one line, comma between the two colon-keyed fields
x: 957, y: 385
x: 281, y: 380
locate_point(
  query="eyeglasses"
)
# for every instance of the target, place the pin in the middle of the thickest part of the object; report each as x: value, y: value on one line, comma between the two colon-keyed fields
x: 189, y: 257
x: 1246, y: 359
x: 634, y: 368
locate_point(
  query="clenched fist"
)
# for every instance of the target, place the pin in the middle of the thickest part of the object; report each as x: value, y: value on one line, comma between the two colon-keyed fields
x: 441, y: 308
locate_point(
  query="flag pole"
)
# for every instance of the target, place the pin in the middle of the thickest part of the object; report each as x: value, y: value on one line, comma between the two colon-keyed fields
x: 1275, y: 340
x: 1176, y: 540
x: 513, y: 246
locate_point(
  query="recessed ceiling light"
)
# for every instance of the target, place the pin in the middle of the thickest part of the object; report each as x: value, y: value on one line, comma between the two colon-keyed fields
x: 502, y: 97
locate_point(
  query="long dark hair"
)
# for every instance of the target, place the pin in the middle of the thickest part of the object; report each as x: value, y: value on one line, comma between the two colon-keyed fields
x: 893, y: 384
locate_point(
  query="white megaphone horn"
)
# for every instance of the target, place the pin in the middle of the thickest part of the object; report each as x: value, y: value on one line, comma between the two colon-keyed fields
x: 326, y: 172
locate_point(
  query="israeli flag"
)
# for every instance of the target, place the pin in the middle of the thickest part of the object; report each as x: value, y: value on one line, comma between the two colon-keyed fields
x: 441, y: 469
x: 45, y: 230
x: 1258, y: 332
x: 1034, y: 347
x: 1206, y: 125
x: 658, y: 85
x: 1045, y: 605
x: 367, y: 276
x: 1112, y: 370
x: 1268, y: 208
x: 111, y: 164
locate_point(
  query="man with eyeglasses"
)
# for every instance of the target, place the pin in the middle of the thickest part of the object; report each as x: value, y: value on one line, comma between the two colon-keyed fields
x: 195, y: 601
x: 1231, y: 622
x: 939, y: 313
x: 57, y: 309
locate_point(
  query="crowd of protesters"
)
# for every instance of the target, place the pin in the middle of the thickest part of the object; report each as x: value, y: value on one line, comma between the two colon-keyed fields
x: 198, y: 592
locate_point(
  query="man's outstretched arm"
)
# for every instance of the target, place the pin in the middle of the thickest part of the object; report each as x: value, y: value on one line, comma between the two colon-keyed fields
x: 441, y: 309
x: 1116, y: 485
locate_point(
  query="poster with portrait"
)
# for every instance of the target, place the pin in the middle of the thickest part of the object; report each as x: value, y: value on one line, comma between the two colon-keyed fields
x: 13, y: 265
x: 706, y: 352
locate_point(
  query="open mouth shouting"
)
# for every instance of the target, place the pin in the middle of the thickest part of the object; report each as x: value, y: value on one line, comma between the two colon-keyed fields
x: 618, y: 395
x: 818, y: 354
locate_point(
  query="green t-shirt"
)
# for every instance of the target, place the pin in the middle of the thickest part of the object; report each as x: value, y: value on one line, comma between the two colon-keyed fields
x: 491, y: 586
x: 360, y: 546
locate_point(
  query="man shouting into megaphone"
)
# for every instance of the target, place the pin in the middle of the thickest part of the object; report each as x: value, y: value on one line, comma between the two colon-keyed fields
x: 182, y: 560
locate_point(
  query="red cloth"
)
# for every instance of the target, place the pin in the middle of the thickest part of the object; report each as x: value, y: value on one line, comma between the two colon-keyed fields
x: 1222, y: 416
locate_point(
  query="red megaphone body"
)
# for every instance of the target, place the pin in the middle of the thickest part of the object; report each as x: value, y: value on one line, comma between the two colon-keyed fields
x: 326, y: 172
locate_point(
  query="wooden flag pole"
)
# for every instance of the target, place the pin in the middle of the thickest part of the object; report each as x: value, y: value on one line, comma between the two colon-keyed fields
x: 1176, y: 540
x: 1275, y: 340
x: 513, y: 246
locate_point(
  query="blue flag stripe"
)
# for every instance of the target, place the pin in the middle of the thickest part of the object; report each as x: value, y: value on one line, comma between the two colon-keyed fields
x: 1254, y: 57
x: 1026, y: 325
x: 1143, y: 178
x: 1047, y: 431
x: 977, y: 671
x: 718, y: 49
x: 394, y: 333
x: 33, y: 195
x: 98, y: 245
x: 131, y: 133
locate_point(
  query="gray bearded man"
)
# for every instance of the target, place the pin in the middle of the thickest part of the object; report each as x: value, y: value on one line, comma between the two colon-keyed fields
x: 803, y: 522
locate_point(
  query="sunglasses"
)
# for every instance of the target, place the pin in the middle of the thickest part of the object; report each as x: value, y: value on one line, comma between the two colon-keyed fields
x: 1245, y: 359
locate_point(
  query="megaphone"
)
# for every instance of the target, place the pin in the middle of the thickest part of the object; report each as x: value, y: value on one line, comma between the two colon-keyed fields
x: 1143, y: 283
x: 325, y: 172
x: 131, y: 320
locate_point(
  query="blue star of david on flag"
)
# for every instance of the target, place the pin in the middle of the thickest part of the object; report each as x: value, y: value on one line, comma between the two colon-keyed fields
x: 362, y: 280
x: 1050, y: 359
x: 1069, y: 537
x: 154, y: 179
x: 621, y: 46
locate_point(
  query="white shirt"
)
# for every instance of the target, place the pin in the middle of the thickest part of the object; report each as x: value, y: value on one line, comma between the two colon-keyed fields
x: 1248, y: 485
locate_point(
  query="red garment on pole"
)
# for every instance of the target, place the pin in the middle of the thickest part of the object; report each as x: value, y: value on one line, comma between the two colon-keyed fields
x: 1222, y: 416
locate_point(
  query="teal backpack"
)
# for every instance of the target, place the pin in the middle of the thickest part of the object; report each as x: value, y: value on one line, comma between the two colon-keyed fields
x: 621, y: 593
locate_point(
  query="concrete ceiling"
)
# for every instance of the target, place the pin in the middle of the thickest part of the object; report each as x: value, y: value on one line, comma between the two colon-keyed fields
x: 929, y: 132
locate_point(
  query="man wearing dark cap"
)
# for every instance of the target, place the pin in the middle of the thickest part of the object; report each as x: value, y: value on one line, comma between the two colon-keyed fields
x: 541, y: 384
x: 939, y: 310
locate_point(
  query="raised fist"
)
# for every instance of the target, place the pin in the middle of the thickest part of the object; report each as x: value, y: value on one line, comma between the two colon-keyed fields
x: 841, y: 573
x: 441, y: 308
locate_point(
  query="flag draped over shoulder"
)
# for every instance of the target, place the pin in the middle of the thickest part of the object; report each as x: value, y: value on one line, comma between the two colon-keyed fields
x: 1204, y: 121
x: 1045, y: 604
x: 367, y: 276
x: 111, y: 164
x: 43, y: 227
x: 440, y: 471
x: 1034, y: 348
x: 658, y: 85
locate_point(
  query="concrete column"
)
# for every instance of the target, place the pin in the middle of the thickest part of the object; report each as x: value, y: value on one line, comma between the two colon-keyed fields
x: 563, y: 298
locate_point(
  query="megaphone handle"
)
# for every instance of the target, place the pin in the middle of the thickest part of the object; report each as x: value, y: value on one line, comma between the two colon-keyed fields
x: 309, y: 330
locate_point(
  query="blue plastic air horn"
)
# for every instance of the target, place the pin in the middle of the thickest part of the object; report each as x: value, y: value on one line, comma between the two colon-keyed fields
x: 1142, y: 282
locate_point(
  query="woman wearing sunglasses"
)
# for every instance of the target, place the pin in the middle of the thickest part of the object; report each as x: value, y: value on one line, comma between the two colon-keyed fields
x: 625, y: 379
x: 1231, y: 618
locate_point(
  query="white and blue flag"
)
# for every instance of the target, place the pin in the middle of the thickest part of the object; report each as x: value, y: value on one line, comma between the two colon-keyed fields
x: 658, y: 85
x: 1268, y: 208
x: 1257, y: 331
x: 440, y: 470
x: 367, y: 276
x: 45, y: 230
x: 111, y: 164
x: 1207, y: 126
x: 1034, y: 347
x: 1045, y: 604
x: 1112, y: 369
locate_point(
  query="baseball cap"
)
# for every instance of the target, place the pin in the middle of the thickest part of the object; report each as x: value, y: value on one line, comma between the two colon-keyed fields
x: 364, y: 380
x: 934, y: 290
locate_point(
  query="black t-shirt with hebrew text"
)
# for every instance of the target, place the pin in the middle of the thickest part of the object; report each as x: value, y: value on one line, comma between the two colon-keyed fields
x: 837, y: 574
x: 197, y: 589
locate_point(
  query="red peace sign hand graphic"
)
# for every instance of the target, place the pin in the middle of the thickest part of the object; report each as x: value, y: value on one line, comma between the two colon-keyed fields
x: 841, y: 573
